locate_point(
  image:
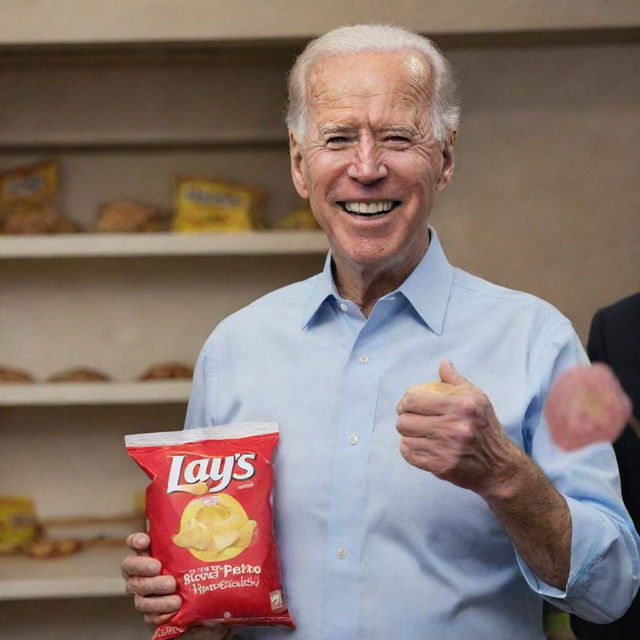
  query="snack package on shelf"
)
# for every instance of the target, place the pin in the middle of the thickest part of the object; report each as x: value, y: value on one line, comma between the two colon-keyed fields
x: 59, y: 537
x: 209, y: 204
x: 168, y: 371
x: 300, y: 218
x: 44, y: 549
x: 29, y: 200
x: 10, y: 375
x: 128, y: 216
x: 210, y: 522
x: 18, y: 523
x: 80, y: 374
x: 93, y: 530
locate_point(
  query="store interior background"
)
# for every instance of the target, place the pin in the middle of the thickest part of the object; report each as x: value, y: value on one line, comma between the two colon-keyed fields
x: 545, y: 199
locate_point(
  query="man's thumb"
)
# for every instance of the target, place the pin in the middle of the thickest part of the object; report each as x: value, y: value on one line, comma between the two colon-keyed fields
x: 449, y: 374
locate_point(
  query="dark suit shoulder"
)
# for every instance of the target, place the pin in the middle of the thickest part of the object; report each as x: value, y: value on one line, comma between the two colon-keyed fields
x: 615, y: 337
x: 627, y: 308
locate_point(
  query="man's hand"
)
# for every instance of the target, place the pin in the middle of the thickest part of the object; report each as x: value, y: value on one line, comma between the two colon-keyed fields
x: 456, y: 436
x: 154, y: 595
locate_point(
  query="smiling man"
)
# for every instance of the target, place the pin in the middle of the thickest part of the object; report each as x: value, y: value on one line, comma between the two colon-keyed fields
x: 401, y: 510
x: 371, y: 164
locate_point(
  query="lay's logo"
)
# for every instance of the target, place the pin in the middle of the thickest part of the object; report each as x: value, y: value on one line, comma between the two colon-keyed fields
x: 209, y: 474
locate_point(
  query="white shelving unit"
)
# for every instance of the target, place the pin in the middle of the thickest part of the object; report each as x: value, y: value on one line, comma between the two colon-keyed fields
x: 120, y: 303
x: 89, y: 573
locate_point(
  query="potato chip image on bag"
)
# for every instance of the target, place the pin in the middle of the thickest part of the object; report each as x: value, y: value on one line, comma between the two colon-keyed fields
x: 210, y: 523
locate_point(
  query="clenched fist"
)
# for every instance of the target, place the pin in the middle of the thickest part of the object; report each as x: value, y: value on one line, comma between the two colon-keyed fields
x: 450, y: 429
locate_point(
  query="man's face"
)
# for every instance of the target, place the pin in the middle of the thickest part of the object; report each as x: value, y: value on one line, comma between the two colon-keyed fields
x: 369, y: 162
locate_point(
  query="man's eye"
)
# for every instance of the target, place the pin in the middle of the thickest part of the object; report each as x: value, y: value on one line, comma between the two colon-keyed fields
x: 398, y: 139
x: 337, y: 141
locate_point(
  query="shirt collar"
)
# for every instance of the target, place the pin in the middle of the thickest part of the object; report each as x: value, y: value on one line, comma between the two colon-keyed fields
x: 427, y: 288
x: 323, y: 289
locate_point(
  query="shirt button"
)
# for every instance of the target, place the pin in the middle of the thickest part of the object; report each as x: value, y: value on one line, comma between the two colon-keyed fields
x: 364, y: 359
x: 343, y: 306
x: 353, y: 438
x: 341, y: 553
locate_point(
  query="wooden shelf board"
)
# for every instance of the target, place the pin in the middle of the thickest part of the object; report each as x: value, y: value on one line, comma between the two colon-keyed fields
x: 92, y: 393
x: 96, y: 245
x: 86, y: 574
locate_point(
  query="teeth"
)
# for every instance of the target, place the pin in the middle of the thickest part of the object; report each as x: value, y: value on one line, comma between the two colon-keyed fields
x: 368, y: 208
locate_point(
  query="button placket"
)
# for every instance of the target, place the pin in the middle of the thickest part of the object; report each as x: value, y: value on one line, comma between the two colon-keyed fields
x: 349, y: 486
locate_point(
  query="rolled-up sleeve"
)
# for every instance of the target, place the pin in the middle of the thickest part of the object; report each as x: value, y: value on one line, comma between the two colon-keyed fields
x: 605, y: 547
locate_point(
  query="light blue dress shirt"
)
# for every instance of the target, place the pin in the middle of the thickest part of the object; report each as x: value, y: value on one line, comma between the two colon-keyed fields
x: 372, y: 547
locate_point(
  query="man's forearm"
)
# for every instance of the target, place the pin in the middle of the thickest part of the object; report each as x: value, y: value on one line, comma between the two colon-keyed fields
x: 537, y: 519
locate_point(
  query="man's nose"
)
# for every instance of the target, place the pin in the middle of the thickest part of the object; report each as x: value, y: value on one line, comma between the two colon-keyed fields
x: 367, y: 165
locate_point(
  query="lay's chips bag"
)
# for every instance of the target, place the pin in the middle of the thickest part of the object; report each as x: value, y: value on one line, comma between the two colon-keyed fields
x: 210, y: 523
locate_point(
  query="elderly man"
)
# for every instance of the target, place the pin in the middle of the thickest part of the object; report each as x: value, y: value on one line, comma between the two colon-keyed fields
x: 398, y: 510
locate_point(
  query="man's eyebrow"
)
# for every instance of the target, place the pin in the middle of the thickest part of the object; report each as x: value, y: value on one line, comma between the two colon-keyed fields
x: 412, y: 131
x: 330, y: 129
x: 335, y: 128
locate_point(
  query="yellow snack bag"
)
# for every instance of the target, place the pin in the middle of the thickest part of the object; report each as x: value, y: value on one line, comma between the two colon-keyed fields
x: 28, y: 200
x: 208, y: 204
x: 37, y: 183
x: 18, y: 525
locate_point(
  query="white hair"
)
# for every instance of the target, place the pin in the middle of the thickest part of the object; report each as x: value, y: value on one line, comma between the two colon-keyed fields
x: 363, y: 38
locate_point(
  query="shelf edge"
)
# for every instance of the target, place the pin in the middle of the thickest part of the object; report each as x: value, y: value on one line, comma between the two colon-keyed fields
x: 103, y: 245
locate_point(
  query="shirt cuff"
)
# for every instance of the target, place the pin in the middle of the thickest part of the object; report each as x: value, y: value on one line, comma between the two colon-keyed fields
x: 593, y: 591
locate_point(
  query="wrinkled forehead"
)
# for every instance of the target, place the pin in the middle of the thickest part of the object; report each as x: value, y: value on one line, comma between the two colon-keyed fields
x: 347, y: 79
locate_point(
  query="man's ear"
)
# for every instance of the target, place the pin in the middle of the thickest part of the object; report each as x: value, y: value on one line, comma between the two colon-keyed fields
x: 446, y: 173
x: 297, y: 173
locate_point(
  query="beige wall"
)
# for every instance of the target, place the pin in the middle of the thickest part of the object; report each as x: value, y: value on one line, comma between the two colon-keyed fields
x: 546, y: 197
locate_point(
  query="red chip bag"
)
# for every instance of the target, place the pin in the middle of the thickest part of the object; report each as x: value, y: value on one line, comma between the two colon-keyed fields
x: 209, y: 512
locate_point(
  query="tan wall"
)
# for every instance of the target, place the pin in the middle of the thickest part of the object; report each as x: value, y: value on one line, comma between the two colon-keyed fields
x: 546, y: 197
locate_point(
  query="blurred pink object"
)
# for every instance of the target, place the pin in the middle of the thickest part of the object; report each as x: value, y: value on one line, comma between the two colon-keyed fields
x: 585, y: 405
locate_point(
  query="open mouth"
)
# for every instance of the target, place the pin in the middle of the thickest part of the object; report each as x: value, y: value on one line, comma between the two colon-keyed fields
x: 369, y: 209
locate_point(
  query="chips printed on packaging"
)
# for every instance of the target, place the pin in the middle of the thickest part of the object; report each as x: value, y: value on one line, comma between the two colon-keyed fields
x: 210, y: 523
x: 208, y: 204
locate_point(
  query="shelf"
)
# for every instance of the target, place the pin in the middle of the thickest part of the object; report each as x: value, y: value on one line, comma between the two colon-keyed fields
x: 94, y: 393
x: 99, y: 245
x: 89, y: 573
x: 142, y: 143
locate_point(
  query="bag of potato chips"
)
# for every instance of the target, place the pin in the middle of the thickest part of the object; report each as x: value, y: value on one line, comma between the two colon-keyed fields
x: 209, y: 512
x: 211, y: 204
